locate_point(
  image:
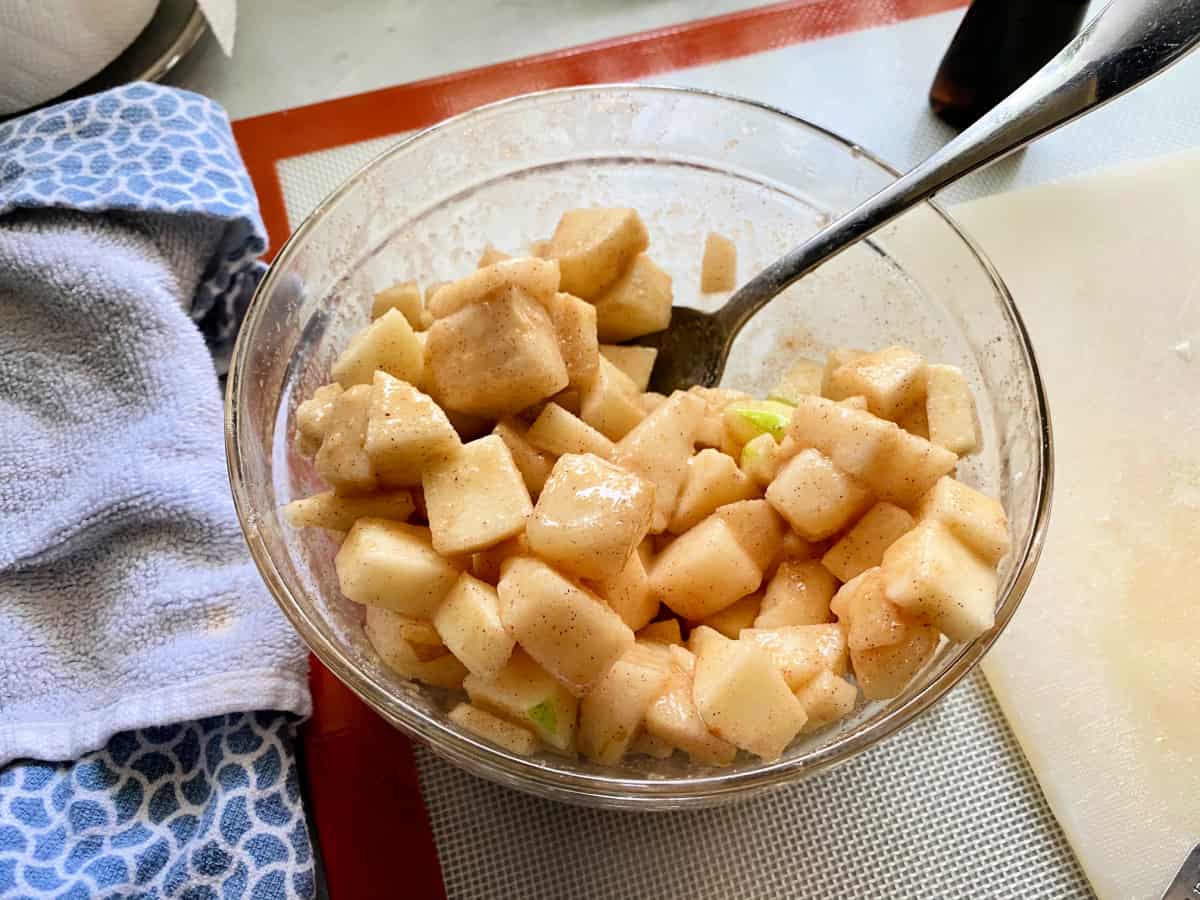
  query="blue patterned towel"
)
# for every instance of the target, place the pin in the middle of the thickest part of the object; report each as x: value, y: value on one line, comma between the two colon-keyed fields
x: 127, y: 598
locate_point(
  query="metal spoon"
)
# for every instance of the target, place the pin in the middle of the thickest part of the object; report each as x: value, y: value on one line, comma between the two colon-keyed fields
x: 1129, y: 42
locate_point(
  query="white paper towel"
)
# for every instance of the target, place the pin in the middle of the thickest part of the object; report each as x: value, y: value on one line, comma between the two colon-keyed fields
x: 1099, y: 671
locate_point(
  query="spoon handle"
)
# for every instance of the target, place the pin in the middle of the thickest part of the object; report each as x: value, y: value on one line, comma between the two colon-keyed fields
x: 1129, y: 42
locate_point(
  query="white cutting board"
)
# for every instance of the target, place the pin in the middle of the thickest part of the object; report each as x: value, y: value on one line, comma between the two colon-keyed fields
x: 1099, y: 671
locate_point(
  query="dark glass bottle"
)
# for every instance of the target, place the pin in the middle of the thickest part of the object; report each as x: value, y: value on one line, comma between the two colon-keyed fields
x: 999, y: 44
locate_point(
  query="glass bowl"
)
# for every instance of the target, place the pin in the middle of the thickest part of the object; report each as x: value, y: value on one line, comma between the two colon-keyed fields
x: 690, y: 162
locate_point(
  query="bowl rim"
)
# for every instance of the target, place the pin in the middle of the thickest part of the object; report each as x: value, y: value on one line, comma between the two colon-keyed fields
x: 616, y: 790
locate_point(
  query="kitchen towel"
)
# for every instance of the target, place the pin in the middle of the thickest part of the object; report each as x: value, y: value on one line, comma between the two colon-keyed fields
x: 127, y: 597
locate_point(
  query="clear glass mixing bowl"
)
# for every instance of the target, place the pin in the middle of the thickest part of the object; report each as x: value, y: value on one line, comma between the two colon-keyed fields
x: 690, y: 162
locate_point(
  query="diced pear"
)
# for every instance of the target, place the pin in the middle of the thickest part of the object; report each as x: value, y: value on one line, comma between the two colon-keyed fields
x: 406, y: 432
x: 612, y: 713
x: 950, y: 410
x: 535, y: 278
x: 762, y: 458
x: 804, y: 377
x: 637, y: 303
x: 801, y: 652
x: 575, y: 324
x: 468, y: 622
x: 475, y: 499
x: 798, y: 594
x: 931, y: 574
x: 746, y: 421
x: 826, y: 699
x: 713, y: 480
x: 629, y: 593
x: 569, y: 631
x: 758, y: 528
x: 718, y: 267
x: 387, y: 344
x: 664, y: 632
x: 393, y: 565
x: 492, y: 728
x: 743, y: 698
x: 533, y: 464
x: 495, y: 357
x: 486, y: 564
x: 527, y: 695
x: 636, y: 362
x: 405, y: 297
x: 732, y: 619
x: 892, y: 380
x: 492, y: 255
x: 658, y: 449
x: 590, y: 516
x: 646, y: 744
x: 328, y: 510
x: 312, y: 417
x: 386, y: 632
x: 594, y: 246
x: 815, y: 496
x: 834, y: 361
x: 976, y: 519
x: 704, y: 571
x: 342, y: 461
x: 862, y: 546
x: 673, y: 718
x: 558, y: 432
x: 610, y: 402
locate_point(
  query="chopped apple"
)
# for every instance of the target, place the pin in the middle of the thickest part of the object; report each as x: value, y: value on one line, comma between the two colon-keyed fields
x: 393, y: 565
x: 387, y: 344
x: 757, y: 527
x: 342, y: 461
x: 312, y: 418
x: 636, y: 362
x: 406, y: 432
x: 931, y: 574
x: 590, y: 516
x: 328, y: 510
x: 511, y: 340
x: 804, y: 377
x: 795, y: 547
x: 533, y: 464
x: 405, y: 297
x: 711, y: 431
x: 386, y: 631
x: 976, y: 519
x: 527, y: 695
x: 862, y: 546
x: 815, y: 496
x: 713, y: 480
x: 629, y: 593
x: 892, y: 380
x: 705, y: 570
x: 570, y: 631
x: 646, y: 744
x: 745, y: 421
x: 674, y: 719
x: 575, y: 324
x: 637, y: 303
x: 732, y: 619
x: 826, y: 699
x: 492, y: 255
x: 535, y: 278
x: 854, y: 439
x: 798, y: 594
x: 558, y: 432
x: 763, y: 457
x: 651, y: 401
x: 909, y: 466
x: 492, y: 728
x: 887, y: 645
x: 950, y: 410
x: 664, y: 632
x: 594, y: 246
x: 612, y: 713
x: 658, y: 449
x: 916, y: 421
x: 718, y: 267
x: 858, y: 401
x: 801, y: 652
x: 486, y: 564
x: 468, y: 622
x: 837, y: 358
x: 610, y: 402
x: 743, y: 698
x: 475, y: 499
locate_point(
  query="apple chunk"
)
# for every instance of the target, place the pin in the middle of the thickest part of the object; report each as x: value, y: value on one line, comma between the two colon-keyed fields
x: 610, y: 402
x: 393, y: 565
x: 629, y: 592
x: 801, y: 652
x: 533, y: 464
x: 406, y: 432
x: 594, y: 246
x: 536, y: 278
x: 713, y: 480
x: 826, y: 699
x: 405, y: 297
x: 950, y: 410
x: 637, y: 303
x: 388, y: 344
x: 612, y: 713
x: 815, y: 496
x: 705, y: 570
x: 673, y: 718
x: 328, y: 510
x: 386, y: 632
x: 575, y: 325
x: 892, y: 380
x: 468, y: 622
x: 798, y: 594
x: 558, y: 432
x: 758, y: 528
x: 493, y: 728
x: 636, y: 362
x: 863, y: 545
x: 975, y: 519
x: 342, y: 461
x: 527, y: 695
